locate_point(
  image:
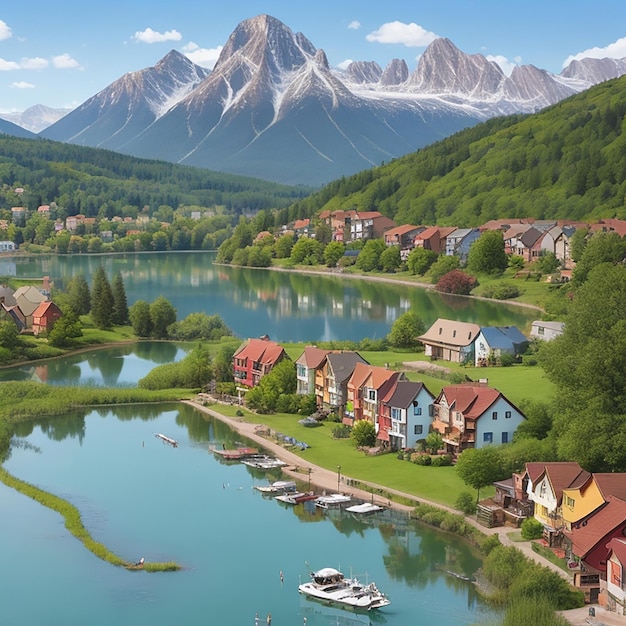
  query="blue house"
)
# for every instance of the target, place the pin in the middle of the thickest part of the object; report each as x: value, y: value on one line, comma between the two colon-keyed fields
x: 405, y: 414
x: 494, y: 341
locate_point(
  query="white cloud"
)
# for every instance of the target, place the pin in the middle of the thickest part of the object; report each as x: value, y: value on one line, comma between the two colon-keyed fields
x: 205, y: 57
x: 22, y: 84
x: 344, y: 64
x: 411, y: 35
x: 65, y: 62
x: 5, y: 65
x: 152, y: 36
x: 505, y: 65
x: 5, y: 31
x: 615, y: 50
x: 34, y: 63
x: 354, y: 25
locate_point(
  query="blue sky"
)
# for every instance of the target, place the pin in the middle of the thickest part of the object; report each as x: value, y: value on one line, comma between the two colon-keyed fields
x: 61, y: 53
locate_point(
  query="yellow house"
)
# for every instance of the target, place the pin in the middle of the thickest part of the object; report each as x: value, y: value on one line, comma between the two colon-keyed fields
x: 588, y: 493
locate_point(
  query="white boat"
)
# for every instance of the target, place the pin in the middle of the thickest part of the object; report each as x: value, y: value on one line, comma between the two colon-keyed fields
x: 296, y: 497
x: 279, y: 486
x: 333, y: 501
x: 365, y: 509
x: 330, y: 586
x: 263, y: 461
x: 166, y: 439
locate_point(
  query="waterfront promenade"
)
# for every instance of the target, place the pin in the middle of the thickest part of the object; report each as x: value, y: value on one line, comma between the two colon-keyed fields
x: 324, y: 479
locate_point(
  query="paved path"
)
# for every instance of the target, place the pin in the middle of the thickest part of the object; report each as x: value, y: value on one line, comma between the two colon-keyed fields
x: 298, y: 467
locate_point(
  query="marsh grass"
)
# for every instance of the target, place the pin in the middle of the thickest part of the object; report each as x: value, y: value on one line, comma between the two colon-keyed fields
x: 74, y: 523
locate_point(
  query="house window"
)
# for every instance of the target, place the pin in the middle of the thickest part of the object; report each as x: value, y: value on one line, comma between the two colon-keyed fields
x: 541, y: 330
x: 507, y: 415
x: 417, y: 430
x: 440, y: 330
x: 494, y: 415
x: 454, y: 333
x: 505, y: 437
x: 396, y: 414
x: 371, y: 394
x: 417, y: 410
x: 487, y: 437
x: 569, y: 502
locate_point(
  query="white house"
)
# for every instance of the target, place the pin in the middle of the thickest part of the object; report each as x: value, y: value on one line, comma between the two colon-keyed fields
x: 615, y: 574
x: 7, y: 246
x: 546, y: 330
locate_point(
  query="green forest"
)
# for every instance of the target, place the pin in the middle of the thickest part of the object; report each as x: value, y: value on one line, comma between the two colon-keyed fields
x: 566, y: 162
x: 101, y: 183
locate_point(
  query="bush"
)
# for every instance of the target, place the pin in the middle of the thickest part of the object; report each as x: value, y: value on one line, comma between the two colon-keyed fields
x: 532, y: 529
x: 456, y: 282
x: 489, y: 543
x: 341, y: 431
x: 506, y: 359
x: 466, y: 503
x: 421, y: 459
x: 441, y: 460
x: 364, y: 433
x: 502, y: 291
x: 530, y: 360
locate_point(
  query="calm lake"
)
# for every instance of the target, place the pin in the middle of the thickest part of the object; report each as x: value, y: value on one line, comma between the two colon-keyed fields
x: 142, y: 497
x: 287, y: 306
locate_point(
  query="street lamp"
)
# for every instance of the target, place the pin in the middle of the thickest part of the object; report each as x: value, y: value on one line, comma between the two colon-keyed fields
x: 309, y: 479
x: 338, y: 476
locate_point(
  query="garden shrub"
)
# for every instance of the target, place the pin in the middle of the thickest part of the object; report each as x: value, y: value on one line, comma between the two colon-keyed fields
x: 421, y: 459
x: 531, y: 529
x: 502, y: 291
x: 456, y: 282
x: 489, y: 543
x: 341, y: 431
x: 441, y: 460
x: 466, y: 503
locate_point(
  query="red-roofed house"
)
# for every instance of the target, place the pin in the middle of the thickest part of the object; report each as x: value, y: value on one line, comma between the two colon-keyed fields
x: 254, y: 359
x: 433, y: 238
x: 402, y: 236
x: 367, y: 387
x: 613, y: 595
x: 588, y: 542
x: 367, y: 225
x: 44, y: 317
x: 306, y: 366
x: 474, y: 416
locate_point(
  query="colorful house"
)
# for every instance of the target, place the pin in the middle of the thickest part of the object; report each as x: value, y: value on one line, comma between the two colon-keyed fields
x: 474, y: 416
x: 405, y: 414
x: 331, y: 380
x: 494, y: 341
x: 44, y: 317
x: 28, y: 298
x: 306, y: 367
x: 450, y: 341
x: 254, y: 359
x: 613, y: 596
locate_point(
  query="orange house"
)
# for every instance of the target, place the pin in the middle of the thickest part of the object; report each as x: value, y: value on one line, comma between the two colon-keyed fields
x: 44, y: 317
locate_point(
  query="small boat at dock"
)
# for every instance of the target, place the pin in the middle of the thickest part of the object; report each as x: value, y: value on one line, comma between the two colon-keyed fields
x: 236, y: 454
x: 333, y: 501
x: 262, y: 461
x: 277, y: 487
x: 296, y: 497
x: 364, y: 510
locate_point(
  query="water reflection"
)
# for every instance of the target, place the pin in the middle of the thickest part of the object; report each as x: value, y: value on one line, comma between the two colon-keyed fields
x: 119, y: 366
x: 288, y: 306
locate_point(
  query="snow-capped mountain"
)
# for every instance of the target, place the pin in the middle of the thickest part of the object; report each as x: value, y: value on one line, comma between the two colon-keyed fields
x: 130, y: 104
x: 35, y: 118
x: 273, y: 108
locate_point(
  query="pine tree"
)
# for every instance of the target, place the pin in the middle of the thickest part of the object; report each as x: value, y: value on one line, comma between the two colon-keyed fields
x: 79, y: 295
x: 101, y: 299
x: 120, y: 304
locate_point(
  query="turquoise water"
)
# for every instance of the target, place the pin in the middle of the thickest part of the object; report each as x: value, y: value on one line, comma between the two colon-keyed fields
x: 142, y: 497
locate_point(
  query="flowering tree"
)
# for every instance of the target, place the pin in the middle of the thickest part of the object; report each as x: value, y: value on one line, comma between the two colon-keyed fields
x: 456, y: 282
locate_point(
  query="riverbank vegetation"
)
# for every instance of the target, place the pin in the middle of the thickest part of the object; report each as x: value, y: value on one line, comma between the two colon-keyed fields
x: 74, y: 523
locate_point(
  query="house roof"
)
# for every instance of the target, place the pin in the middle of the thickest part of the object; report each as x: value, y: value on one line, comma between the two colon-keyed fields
x: 557, y: 326
x: 611, y: 484
x: 360, y: 374
x: 617, y: 545
x: 28, y: 299
x: 516, y: 230
x: 402, y: 394
x: 312, y: 357
x: 531, y: 236
x: 536, y: 469
x: 594, y: 529
x: 401, y: 230
x: 343, y: 363
x: 378, y: 376
x: 7, y: 296
x: 503, y: 337
x: 470, y: 400
x: 428, y: 233
x: 561, y: 476
x: 262, y: 350
x: 41, y: 310
x: 451, y: 333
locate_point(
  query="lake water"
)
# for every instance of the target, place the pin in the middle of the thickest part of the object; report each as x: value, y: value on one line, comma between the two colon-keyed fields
x: 142, y: 497
x: 287, y: 306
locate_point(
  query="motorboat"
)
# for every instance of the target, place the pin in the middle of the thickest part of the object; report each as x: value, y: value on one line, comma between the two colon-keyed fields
x: 330, y: 586
x: 364, y: 510
x: 277, y: 487
x: 333, y: 501
x: 296, y: 497
x: 263, y: 461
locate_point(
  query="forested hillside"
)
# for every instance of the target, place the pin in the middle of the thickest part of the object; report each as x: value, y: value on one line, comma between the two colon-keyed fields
x: 566, y: 162
x: 92, y: 181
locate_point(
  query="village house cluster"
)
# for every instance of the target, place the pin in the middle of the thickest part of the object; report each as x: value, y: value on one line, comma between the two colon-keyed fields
x: 29, y: 308
x: 584, y: 521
